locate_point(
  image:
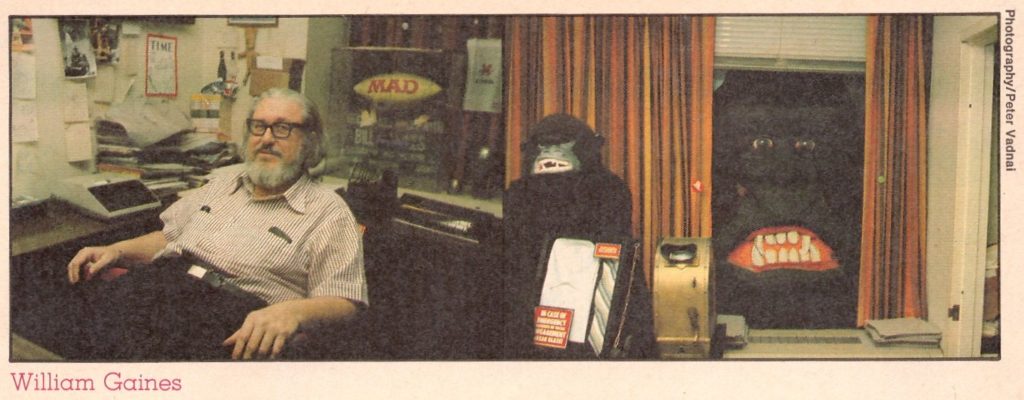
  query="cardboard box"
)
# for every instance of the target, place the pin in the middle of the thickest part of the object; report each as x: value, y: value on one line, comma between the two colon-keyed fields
x: 287, y: 75
x: 205, y: 112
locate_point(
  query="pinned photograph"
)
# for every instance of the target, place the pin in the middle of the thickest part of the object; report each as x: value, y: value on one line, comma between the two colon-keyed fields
x: 21, y: 34
x: 79, y: 59
x: 104, y: 35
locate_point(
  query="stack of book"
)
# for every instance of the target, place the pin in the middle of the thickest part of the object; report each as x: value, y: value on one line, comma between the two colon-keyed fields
x: 903, y: 331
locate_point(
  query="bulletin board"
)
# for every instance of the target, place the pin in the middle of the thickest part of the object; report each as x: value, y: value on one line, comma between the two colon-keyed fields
x: 161, y: 66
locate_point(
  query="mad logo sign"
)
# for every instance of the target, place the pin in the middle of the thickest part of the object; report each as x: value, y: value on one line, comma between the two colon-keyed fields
x: 397, y: 88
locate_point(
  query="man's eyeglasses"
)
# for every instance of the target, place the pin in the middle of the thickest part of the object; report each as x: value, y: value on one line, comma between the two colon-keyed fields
x: 280, y: 130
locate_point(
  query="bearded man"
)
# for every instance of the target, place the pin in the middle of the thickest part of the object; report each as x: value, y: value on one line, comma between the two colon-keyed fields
x: 255, y: 256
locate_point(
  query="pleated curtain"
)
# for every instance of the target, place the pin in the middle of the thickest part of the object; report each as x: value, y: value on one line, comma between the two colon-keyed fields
x: 642, y: 82
x: 892, y: 270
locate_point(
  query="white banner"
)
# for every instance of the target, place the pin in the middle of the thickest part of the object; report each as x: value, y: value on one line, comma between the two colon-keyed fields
x: 483, y: 78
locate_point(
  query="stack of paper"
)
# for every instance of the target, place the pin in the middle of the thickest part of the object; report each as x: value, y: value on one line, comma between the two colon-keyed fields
x: 166, y: 186
x: 736, y: 330
x: 903, y: 331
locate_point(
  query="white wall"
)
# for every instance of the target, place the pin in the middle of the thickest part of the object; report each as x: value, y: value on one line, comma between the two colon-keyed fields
x: 36, y: 164
x: 288, y: 40
x: 33, y: 164
x: 326, y: 35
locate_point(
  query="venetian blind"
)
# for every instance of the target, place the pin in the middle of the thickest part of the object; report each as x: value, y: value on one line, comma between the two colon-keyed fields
x: 791, y: 43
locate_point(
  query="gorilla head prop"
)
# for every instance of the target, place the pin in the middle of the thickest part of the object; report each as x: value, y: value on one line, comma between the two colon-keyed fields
x: 787, y: 173
x: 561, y: 143
x: 564, y: 191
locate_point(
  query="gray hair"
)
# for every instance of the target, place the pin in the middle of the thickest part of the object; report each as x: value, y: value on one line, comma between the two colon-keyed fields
x: 312, y: 144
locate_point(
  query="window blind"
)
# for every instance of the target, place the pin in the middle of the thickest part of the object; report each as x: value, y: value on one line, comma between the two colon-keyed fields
x: 801, y: 43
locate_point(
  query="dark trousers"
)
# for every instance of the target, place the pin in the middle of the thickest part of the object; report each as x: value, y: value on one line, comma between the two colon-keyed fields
x: 158, y: 312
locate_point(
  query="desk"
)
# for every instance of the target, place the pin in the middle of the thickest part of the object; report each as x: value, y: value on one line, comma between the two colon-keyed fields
x: 24, y: 350
x: 62, y: 224
x: 431, y: 293
x: 40, y: 250
x: 491, y: 206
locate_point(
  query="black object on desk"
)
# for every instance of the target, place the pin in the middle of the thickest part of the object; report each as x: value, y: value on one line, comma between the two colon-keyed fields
x: 40, y: 251
x: 431, y: 269
x: 27, y: 209
x: 106, y: 195
x: 443, y: 262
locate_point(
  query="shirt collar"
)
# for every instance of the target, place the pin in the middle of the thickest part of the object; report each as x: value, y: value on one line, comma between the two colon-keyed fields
x: 296, y: 196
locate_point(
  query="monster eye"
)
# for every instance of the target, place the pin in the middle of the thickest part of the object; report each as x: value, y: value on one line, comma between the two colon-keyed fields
x: 804, y: 145
x: 763, y: 143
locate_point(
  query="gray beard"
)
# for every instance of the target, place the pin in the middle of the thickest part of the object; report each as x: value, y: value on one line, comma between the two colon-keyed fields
x: 272, y: 177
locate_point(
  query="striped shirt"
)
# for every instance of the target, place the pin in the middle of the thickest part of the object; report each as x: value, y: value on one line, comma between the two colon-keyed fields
x: 303, y: 243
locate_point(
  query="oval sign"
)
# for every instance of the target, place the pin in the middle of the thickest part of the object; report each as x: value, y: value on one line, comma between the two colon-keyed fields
x: 397, y: 88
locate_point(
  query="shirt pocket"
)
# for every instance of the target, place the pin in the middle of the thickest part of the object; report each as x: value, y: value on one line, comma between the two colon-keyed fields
x: 256, y: 250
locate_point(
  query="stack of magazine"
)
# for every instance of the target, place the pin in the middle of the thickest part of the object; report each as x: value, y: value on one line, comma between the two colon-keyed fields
x: 904, y: 332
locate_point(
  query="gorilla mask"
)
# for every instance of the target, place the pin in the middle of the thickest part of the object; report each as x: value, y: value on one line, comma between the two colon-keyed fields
x: 561, y: 143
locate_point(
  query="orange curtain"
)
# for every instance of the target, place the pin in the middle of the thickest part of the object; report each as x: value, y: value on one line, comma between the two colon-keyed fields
x: 892, y: 270
x: 642, y: 82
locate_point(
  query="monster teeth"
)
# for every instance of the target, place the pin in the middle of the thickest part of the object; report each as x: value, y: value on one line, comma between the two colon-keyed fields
x: 815, y: 254
x: 805, y: 248
x: 788, y: 247
x: 757, y: 253
x: 551, y: 165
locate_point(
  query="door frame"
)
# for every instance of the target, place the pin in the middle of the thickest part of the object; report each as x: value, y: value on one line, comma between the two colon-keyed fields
x: 962, y: 338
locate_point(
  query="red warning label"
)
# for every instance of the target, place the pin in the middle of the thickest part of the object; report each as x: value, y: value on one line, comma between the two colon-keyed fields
x: 551, y: 326
x: 608, y: 250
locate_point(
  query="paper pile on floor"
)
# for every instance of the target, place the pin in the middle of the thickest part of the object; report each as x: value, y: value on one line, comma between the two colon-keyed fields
x: 903, y: 331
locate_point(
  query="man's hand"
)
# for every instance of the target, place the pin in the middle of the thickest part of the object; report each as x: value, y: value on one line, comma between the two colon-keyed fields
x: 90, y: 261
x: 264, y: 332
x: 140, y: 249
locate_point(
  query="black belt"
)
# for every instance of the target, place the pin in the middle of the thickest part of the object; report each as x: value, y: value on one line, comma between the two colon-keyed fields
x: 215, y: 279
x: 203, y: 272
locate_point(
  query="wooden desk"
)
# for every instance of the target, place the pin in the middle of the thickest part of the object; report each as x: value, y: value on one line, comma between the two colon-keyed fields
x: 62, y: 224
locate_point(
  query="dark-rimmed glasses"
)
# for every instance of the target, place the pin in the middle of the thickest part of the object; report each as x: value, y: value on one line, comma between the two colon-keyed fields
x: 280, y: 130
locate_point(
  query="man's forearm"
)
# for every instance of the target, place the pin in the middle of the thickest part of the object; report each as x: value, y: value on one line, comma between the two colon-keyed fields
x: 141, y: 249
x: 316, y: 311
